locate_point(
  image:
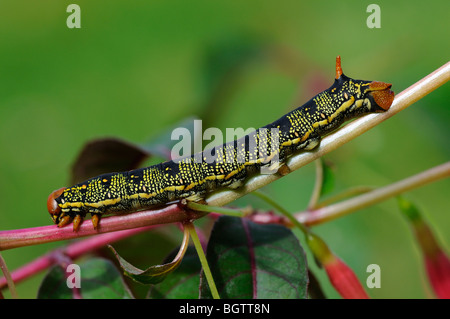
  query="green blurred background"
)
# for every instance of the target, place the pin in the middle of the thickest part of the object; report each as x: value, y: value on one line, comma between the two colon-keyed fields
x: 135, y: 68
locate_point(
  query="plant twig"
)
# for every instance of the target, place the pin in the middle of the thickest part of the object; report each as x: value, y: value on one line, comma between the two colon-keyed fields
x: 203, y: 261
x: 350, y: 192
x: 283, y: 211
x: 218, y: 209
x: 11, y: 285
x: 317, y: 185
x: 348, y: 206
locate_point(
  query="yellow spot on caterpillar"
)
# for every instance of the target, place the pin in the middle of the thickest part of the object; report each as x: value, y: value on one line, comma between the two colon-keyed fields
x: 83, y: 187
x: 322, y: 115
x: 105, y: 180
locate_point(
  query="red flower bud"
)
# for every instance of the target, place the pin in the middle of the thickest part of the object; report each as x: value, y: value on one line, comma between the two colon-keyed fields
x: 438, y: 270
x: 344, y: 280
x: 341, y: 276
x: 437, y: 264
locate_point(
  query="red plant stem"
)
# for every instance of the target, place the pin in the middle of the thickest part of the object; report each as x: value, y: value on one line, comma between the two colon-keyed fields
x: 72, y: 251
x: 39, y: 235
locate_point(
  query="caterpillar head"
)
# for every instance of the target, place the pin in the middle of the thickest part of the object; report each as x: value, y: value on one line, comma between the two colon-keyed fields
x: 380, y: 95
x: 368, y: 96
x: 52, y: 205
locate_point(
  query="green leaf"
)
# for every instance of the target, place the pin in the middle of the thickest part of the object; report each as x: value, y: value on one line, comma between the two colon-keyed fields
x: 249, y: 260
x: 100, y: 279
x: 106, y: 155
x: 156, y: 273
x: 54, y: 285
x: 183, y: 283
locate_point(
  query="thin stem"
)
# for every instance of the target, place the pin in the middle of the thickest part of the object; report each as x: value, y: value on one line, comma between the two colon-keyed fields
x: 317, y: 185
x: 217, y: 209
x: 11, y: 285
x: 203, y: 261
x: 283, y: 211
x: 334, y: 211
x: 353, y: 191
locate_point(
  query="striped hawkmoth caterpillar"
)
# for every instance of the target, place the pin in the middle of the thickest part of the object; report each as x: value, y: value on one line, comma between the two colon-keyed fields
x: 230, y: 164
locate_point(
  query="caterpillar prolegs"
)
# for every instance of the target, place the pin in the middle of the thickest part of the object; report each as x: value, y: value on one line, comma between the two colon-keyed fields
x: 225, y: 166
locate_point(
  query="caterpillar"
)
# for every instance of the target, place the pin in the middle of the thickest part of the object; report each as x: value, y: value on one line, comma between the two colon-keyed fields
x: 229, y: 165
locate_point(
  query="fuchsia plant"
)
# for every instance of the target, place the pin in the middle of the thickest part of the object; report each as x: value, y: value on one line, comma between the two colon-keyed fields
x: 341, y: 276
